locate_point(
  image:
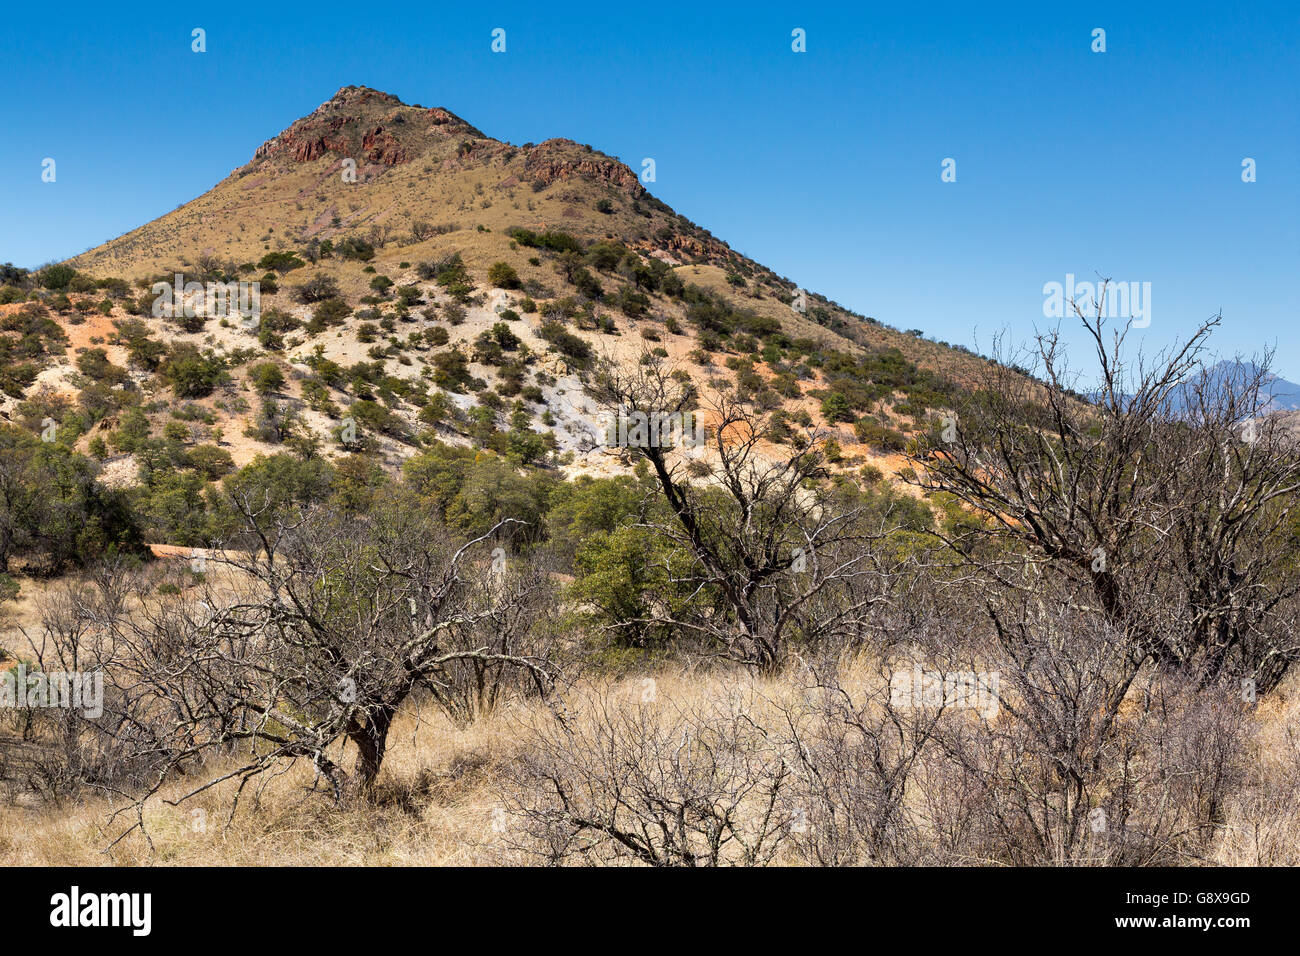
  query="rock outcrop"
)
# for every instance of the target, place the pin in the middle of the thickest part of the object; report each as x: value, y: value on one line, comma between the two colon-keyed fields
x: 562, y: 158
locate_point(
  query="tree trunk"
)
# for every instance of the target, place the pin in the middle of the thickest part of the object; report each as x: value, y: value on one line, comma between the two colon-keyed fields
x: 371, y: 740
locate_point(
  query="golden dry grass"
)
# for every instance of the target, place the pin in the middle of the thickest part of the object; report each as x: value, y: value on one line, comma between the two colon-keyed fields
x: 439, y: 796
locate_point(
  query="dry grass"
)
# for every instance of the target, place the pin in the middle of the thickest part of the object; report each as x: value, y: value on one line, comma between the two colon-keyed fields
x: 436, y: 805
x: 439, y: 800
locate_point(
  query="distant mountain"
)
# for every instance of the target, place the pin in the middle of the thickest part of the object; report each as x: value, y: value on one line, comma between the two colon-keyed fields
x: 1284, y: 395
x: 1280, y: 394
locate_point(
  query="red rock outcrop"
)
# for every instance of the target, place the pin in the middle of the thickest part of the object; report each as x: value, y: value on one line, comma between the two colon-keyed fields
x: 336, y: 127
x: 380, y: 146
x: 555, y: 159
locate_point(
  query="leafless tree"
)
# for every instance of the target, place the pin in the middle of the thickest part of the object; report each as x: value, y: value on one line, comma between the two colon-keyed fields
x: 855, y: 754
x: 290, y: 650
x: 775, y: 554
x: 75, y: 747
x: 1089, y: 758
x: 1168, y: 491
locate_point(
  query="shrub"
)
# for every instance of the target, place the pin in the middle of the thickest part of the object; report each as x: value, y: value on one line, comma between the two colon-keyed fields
x: 451, y: 370
x: 317, y: 289
x: 328, y: 313
x: 505, y: 337
x: 587, y: 284
x: 57, y: 277
x: 566, y: 342
x: 210, y: 461
x: 375, y: 417
x: 881, y: 437
x: 53, y: 511
x: 605, y: 256
x: 503, y: 276
x: 553, y: 240
x: 281, y: 262
x: 451, y: 274
x: 94, y: 364
x: 266, y: 377
x: 191, y: 373
x: 836, y: 408
x: 351, y: 248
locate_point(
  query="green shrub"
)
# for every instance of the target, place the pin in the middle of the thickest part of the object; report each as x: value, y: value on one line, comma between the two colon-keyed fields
x: 566, y: 342
x: 836, y: 408
x: 553, y: 240
x: 352, y: 248
x: 281, y: 262
x: 503, y: 276
x: 266, y: 377
x: 328, y: 313
x: 56, y: 277
x: 191, y: 373
x: 872, y: 433
x: 316, y: 289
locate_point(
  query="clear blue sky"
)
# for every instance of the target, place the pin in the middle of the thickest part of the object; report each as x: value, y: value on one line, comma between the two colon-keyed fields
x: 823, y: 165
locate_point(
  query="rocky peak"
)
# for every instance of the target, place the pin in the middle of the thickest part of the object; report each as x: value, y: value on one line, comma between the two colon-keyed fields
x: 364, y: 124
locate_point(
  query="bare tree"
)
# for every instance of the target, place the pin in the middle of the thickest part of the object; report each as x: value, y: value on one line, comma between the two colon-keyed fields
x: 511, y: 602
x: 1167, y: 492
x: 775, y: 555
x: 1088, y: 758
x: 855, y: 753
x: 313, y: 640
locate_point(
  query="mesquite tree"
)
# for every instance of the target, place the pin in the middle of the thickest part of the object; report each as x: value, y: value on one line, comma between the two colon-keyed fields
x: 305, y: 644
x: 1168, y: 494
x: 773, y: 554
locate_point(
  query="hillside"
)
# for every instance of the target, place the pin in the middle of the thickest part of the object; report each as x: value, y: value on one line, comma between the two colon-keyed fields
x: 452, y: 289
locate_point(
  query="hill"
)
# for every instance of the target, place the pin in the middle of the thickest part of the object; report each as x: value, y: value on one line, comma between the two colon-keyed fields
x: 424, y: 281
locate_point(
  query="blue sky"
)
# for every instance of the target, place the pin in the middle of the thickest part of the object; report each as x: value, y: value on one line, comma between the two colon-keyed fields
x: 824, y: 165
